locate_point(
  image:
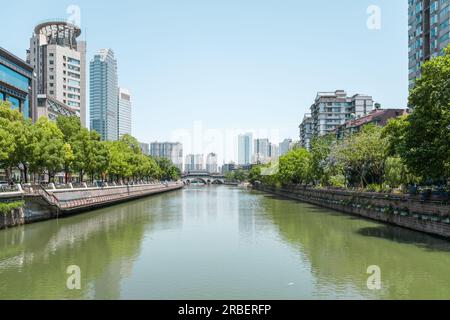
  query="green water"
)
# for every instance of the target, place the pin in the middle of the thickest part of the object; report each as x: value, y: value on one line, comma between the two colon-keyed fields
x: 220, y: 243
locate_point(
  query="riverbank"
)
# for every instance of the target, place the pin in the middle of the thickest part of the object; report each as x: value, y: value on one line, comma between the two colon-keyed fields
x: 42, y: 204
x: 430, y: 217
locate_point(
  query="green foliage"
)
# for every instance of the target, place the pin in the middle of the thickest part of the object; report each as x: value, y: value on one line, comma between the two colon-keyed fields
x: 426, y: 145
x: 295, y: 166
x: 374, y: 187
x: 51, y: 147
x: 237, y: 175
x: 6, y: 208
x: 338, y: 181
x: 254, y: 174
x: 323, y: 165
x: 363, y: 155
x: 48, y: 148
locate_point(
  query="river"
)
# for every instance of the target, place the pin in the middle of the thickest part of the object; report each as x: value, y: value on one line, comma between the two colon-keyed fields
x: 220, y: 242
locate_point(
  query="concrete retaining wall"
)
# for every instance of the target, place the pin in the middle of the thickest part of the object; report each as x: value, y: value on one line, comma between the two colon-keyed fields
x: 401, y: 210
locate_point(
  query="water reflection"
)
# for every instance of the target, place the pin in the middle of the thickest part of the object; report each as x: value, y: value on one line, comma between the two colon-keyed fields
x: 218, y: 242
x: 104, y: 244
x: 341, y: 247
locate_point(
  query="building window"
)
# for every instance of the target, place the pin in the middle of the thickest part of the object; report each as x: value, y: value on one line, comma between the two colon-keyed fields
x: 15, y: 103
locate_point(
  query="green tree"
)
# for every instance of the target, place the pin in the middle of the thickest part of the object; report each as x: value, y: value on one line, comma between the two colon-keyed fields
x: 48, y: 148
x: 7, y: 138
x: 363, y: 155
x: 323, y: 165
x: 295, y: 166
x: 427, y: 137
x: 168, y: 170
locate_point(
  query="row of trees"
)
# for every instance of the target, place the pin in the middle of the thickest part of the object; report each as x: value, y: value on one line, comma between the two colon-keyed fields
x: 410, y: 150
x: 47, y: 147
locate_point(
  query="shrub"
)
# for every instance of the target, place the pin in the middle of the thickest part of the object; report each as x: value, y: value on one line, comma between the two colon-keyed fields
x: 6, y: 208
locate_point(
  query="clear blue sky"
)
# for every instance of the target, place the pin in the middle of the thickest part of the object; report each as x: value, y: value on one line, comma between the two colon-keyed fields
x: 233, y: 64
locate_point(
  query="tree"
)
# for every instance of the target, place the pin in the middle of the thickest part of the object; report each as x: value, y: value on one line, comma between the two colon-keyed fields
x: 168, y: 170
x: 48, y: 148
x: 7, y: 138
x: 295, y: 166
x: 363, y: 155
x: 427, y: 136
x: 323, y: 165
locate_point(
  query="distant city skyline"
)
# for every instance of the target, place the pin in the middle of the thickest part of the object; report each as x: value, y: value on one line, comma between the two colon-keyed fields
x: 243, y: 66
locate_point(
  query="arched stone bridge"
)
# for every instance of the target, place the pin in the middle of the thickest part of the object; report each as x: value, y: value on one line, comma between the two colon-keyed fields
x: 203, y: 177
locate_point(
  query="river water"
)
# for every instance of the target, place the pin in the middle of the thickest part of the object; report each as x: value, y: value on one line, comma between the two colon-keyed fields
x: 220, y: 242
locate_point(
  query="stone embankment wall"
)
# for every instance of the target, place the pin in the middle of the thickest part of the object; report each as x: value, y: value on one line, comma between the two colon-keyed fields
x: 49, y: 204
x: 432, y: 217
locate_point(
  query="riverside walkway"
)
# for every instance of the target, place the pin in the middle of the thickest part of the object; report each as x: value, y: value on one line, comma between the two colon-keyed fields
x: 48, y: 203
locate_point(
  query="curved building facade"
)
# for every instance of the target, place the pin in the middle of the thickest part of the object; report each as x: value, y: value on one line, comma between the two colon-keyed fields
x: 59, y: 61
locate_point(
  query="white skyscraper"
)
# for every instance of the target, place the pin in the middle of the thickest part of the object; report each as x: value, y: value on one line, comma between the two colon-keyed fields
x: 124, y: 113
x: 59, y: 62
x: 245, y: 143
x: 194, y: 162
x: 211, y: 163
x: 169, y: 150
x: 104, y: 95
x: 261, y: 151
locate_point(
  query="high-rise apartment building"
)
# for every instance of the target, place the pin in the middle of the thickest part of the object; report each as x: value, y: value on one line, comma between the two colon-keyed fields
x: 194, y: 162
x: 145, y: 148
x: 261, y: 151
x: 245, y: 144
x: 332, y: 109
x: 429, y: 32
x: 59, y: 62
x: 211, y: 163
x: 124, y: 113
x: 285, y: 146
x: 169, y: 150
x: 104, y: 95
x: 306, y: 132
x: 274, y: 152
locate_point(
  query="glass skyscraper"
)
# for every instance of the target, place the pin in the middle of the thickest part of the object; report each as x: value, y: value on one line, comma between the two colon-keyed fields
x: 245, y: 143
x: 17, y: 83
x: 428, y: 33
x: 104, y: 95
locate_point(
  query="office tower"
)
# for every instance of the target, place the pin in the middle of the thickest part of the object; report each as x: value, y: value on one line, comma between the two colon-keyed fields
x: 261, y: 151
x: 169, y: 150
x: 245, y: 143
x: 17, y: 84
x: 285, y: 146
x: 211, y: 163
x: 332, y: 109
x: 274, y: 152
x: 429, y: 32
x: 145, y: 148
x: 194, y: 162
x: 104, y: 95
x: 59, y: 62
x: 306, y: 132
x: 124, y: 113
